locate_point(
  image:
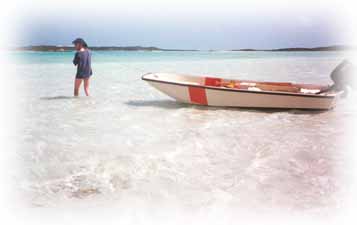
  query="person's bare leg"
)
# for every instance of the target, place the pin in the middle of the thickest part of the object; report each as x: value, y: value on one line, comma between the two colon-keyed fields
x: 86, y: 86
x: 77, y: 85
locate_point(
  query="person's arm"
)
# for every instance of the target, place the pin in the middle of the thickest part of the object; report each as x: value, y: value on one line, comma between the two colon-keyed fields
x: 76, y: 59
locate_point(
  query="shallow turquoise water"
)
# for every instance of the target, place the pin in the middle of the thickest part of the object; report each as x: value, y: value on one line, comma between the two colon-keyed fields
x: 146, y: 56
x: 129, y: 143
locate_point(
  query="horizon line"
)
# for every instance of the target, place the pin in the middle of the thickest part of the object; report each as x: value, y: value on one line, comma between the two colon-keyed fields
x: 50, y: 47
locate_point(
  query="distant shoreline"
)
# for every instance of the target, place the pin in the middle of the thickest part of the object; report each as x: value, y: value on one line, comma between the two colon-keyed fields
x: 298, y: 49
x: 53, y: 48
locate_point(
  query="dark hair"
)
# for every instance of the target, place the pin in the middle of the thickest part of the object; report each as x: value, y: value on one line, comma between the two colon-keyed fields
x: 80, y: 41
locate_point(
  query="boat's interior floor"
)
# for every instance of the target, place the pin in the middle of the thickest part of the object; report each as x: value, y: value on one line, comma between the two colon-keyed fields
x: 247, y: 84
x: 268, y: 86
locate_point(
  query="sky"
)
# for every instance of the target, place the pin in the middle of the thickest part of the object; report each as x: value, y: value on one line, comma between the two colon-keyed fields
x: 182, y: 24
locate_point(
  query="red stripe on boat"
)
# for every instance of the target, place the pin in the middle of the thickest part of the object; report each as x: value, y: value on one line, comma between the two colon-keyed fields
x: 197, y: 95
x: 212, y: 81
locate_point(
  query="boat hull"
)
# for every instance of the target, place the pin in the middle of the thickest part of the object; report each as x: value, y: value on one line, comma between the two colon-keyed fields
x: 212, y: 96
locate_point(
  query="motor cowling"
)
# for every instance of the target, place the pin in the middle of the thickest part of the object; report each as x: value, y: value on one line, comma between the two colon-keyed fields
x: 343, y: 76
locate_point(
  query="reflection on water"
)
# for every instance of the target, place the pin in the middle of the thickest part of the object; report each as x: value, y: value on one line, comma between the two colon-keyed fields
x: 172, y: 104
x: 167, y: 104
x: 57, y: 97
x: 129, y: 143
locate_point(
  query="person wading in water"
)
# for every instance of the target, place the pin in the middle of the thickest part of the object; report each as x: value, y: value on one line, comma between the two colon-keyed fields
x: 82, y: 59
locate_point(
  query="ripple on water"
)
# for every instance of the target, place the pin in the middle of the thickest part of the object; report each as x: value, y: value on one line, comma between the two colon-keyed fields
x: 130, y: 141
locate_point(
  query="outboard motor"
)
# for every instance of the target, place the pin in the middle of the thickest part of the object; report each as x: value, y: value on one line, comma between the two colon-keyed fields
x: 343, y: 77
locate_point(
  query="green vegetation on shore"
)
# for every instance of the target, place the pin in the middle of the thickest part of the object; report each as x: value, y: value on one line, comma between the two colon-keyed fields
x: 326, y: 48
x: 54, y: 48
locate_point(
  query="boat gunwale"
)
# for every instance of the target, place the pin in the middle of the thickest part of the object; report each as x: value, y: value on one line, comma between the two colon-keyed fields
x: 240, y: 90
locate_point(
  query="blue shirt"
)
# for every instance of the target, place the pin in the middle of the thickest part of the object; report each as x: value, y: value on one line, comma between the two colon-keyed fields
x: 82, y: 59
